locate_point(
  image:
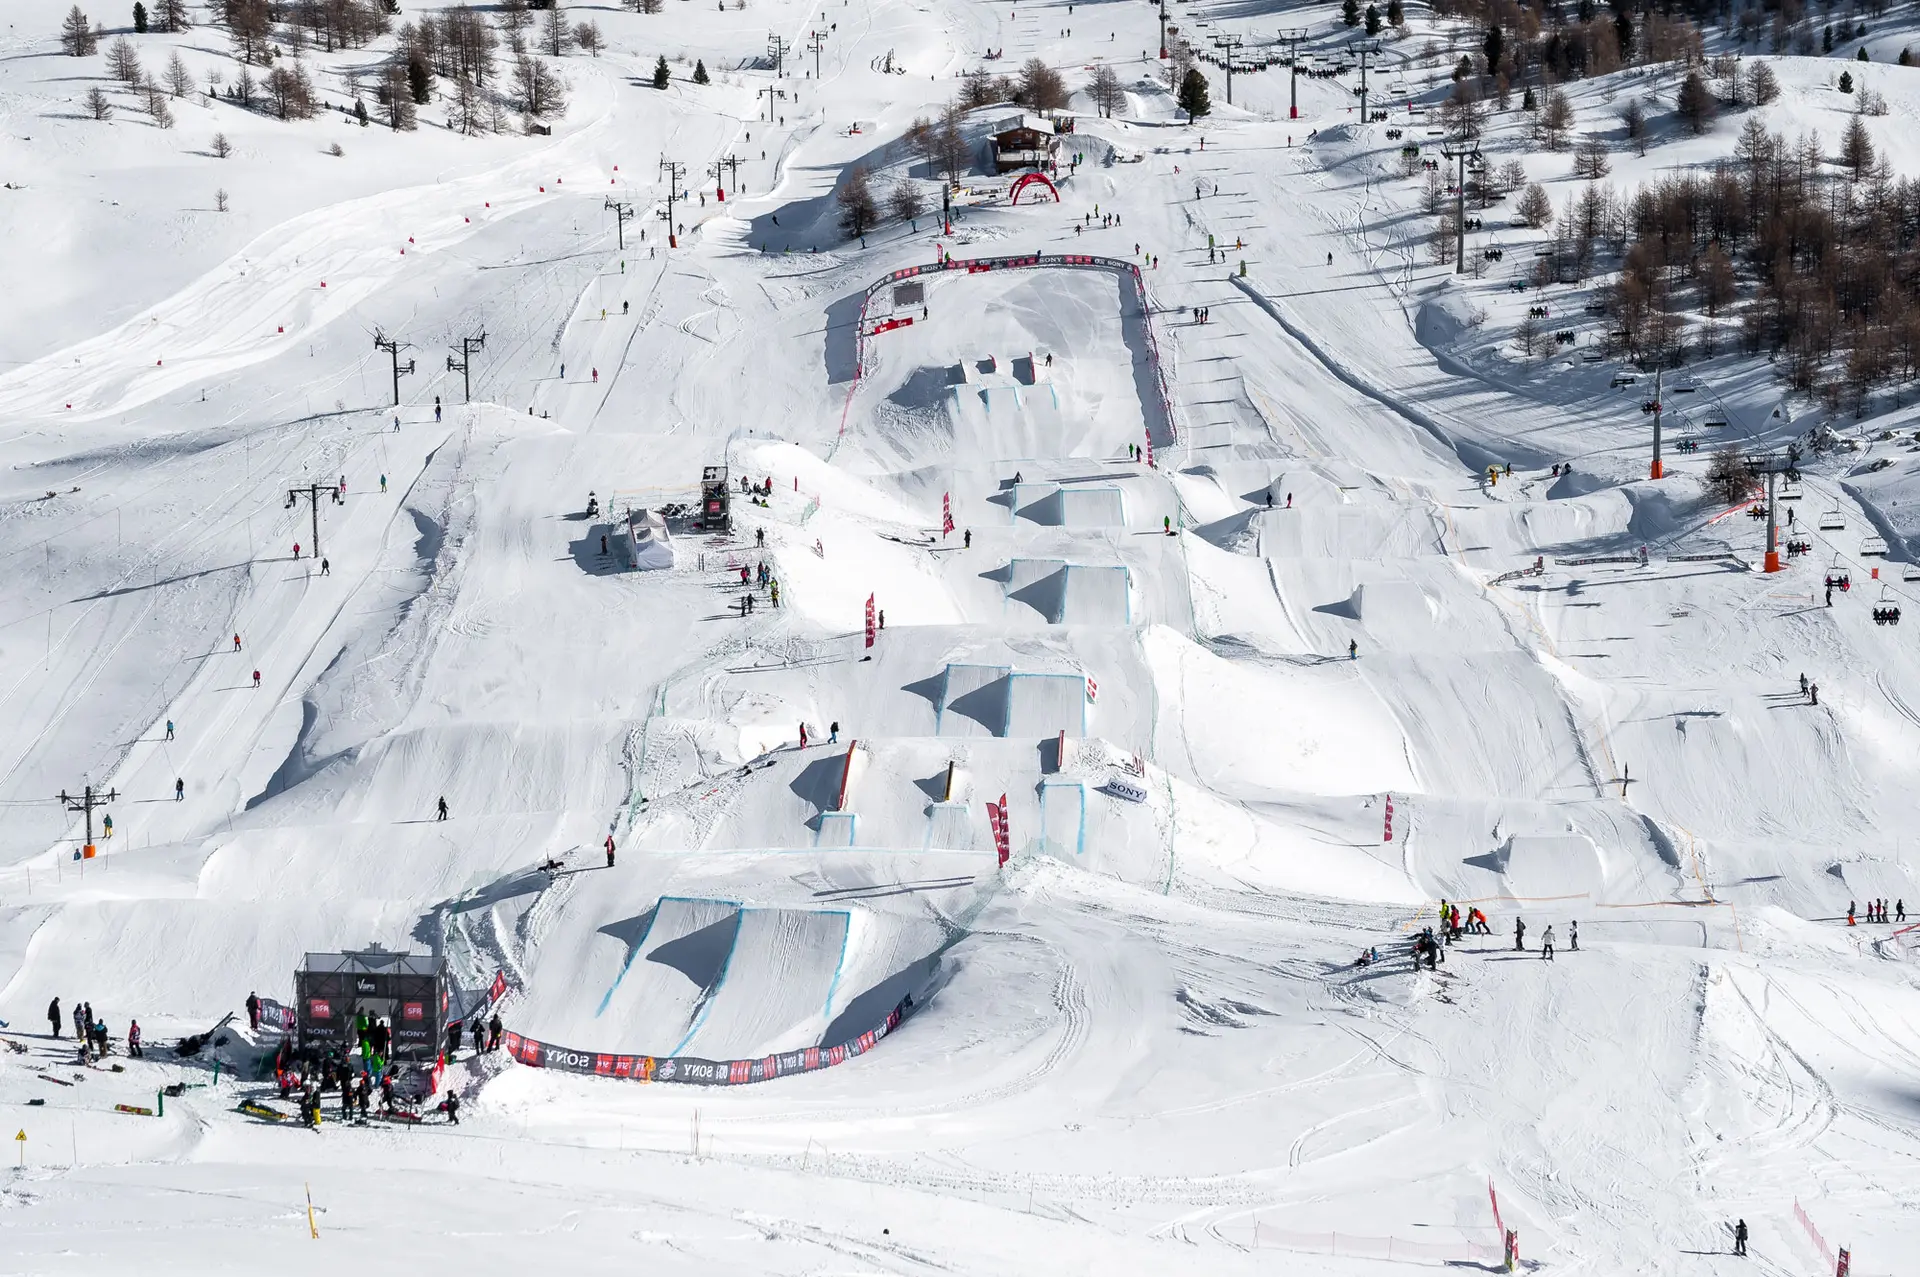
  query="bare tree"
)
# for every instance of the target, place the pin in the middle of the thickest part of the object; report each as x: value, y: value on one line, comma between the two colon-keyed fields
x: 98, y: 105
x: 1105, y: 90
x: 1512, y: 177
x: 587, y: 36
x: 123, y: 63
x: 1526, y: 334
x: 289, y: 92
x: 1763, y: 86
x: 855, y: 197
x: 220, y: 146
x: 250, y: 24
x: 220, y: 200
x: 397, y: 99
x: 179, y: 79
x: 542, y: 93
x: 1633, y: 114
x: 904, y: 201
x: 1464, y: 113
x: 1554, y: 120
x: 1041, y: 88
x: 1590, y: 159
x: 1729, y: 477
x: 76, y: 37
x: 1441, y: 244
x: 1535, y: 207
x: 555, y: 36
x: 467, y: 107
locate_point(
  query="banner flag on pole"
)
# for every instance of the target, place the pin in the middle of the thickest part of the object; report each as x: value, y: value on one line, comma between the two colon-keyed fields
x: 946, y: 514
x: 871, y: 631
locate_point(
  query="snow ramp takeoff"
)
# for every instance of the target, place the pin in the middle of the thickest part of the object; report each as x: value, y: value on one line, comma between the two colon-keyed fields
x: 724, y: 992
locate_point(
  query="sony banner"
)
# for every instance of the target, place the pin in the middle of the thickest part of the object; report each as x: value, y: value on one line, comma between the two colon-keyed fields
x: 649, y: 1068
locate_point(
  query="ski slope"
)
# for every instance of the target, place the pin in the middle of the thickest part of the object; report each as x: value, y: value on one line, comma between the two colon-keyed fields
x: 1252, y: 706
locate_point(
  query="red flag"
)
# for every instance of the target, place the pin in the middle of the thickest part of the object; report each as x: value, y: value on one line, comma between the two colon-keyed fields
x: 1389, y: 836
x: 946, y: 514
x: 1149, y: 449
x: 1093, y: 690
x: 997, y: 821
x: 870, y: 626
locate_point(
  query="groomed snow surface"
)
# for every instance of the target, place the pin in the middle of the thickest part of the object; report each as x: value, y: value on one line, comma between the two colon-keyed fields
x: 1206, y: 689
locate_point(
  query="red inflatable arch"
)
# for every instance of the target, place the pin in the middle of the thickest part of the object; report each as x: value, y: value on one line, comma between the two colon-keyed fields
x: 1027, y: 179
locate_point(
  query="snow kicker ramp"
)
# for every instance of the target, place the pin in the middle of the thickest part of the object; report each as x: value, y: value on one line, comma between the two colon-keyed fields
x: 995, y: 700
x: 1071, y: 593
x: 721, y: 980
x: 1054, y: 506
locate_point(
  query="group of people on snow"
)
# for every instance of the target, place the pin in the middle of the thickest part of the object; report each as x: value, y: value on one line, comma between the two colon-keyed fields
x: 1877, y: 911
x: 1431, y: 944
x: 91, y: 1033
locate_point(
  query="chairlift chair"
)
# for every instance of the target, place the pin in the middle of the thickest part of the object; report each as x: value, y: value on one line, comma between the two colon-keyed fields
x: 1832, y: 520
x: 1873, y: 546
x: 1790, y: 490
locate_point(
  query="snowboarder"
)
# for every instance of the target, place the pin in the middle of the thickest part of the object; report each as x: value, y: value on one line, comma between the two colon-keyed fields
x: 443, y: 808
x: 256, y: 678
x: 803, y: 736
x: 493, y: 1032
x: 1353, y: 649
x: 1519, y: 933
x: 1739, y: 1236
x: 383, y: 483
x: 106, y: 826
x: 236, y: 642
x: 179, y: 788
x: 452, y: 1106
x: 1900, y: 910
x: 609, y: 851
x: 133, y: 1040
x: 53, y: 1016
x: 833, y: 732
x: 966, y: 542
x: 386, y: 1092
x: 326, y: 567
x: 253, y: 1011
x: 169, y: 729
x: 1573, y: 937
x: 1546, y: 943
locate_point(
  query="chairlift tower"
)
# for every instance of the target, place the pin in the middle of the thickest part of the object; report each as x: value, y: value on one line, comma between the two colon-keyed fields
x: 1291, y: 38
x: 1364, y: 47
x: 1230, y: 45
x: 1774, y: 465
x: 1462, y: 154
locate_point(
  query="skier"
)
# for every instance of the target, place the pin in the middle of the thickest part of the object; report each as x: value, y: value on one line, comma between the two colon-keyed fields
x: 253, y: 1011
x: 624, y: 306
x: 966, y: 542
x: 133, y: 1040
x: 803, y: 736
x: 296, y: 549
x: 833, y: 732
x: 256, y: 678
x: 386, y: 1092
x: 1573, y: 938
x: 169, y: 729
x: 53, y: 1016
x: 443, y: 807
x: 236, y: 642
x: 1803, y: 687
x: 1739, y: 1236
x: 383, y: 483
x: 1519, y: 933
x: 452, y: 1106
x: 1813, y: 693
x: 1849, y: 913
x: 609, y: 851
x: 179, y: 788
x: 1329, y: 259
x: 596, y: 376
x: 1166, y: 524
x: 82, y: 1017
x: 1546, y: 944
x: 1353, y: 649
x: 1900, y: 910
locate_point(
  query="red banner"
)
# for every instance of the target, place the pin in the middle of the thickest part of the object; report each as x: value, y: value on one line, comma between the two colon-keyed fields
x: 1093, y: 690
x: 1389, y: 833
x: 997, y: 821
x: 498, y: 989
x: 871, y: 631
x: 946, y: 514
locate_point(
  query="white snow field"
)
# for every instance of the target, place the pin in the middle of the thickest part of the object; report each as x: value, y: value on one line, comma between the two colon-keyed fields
x: 1206, y: 687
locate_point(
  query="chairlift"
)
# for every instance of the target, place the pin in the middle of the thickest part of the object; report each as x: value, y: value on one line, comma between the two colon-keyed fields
x: 1790, y: 490
x: 1870, y: 546
x: 1715, y: 423
x: 1832, y: 520
x: 1886, y: 611
x: 1911, y: 572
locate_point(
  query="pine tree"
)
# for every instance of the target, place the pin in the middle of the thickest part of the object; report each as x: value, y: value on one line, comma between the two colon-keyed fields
x: 700, y: 72
x: 139, y: 18
x: 1862, y: 55
x: 1492, y: 47
x: 419, y: 82
x: 1846, y: 81
x: 1193, y: 95
x: 1373, y: 19
x: 1396, y: 13
x: 76, y: 36
x: 661, y: 74
x: 1350, y: 12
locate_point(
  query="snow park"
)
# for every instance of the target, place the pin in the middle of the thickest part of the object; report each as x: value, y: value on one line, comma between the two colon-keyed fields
x: 865, y: 636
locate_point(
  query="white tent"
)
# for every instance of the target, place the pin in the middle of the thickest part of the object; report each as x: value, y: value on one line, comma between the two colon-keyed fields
x: 649, y: 545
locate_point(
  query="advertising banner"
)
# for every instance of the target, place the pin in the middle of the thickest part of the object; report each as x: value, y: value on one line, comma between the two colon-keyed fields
x: 697, y: 1072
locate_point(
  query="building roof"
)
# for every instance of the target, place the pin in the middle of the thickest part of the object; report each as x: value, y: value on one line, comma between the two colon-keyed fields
x: 376, y: 961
